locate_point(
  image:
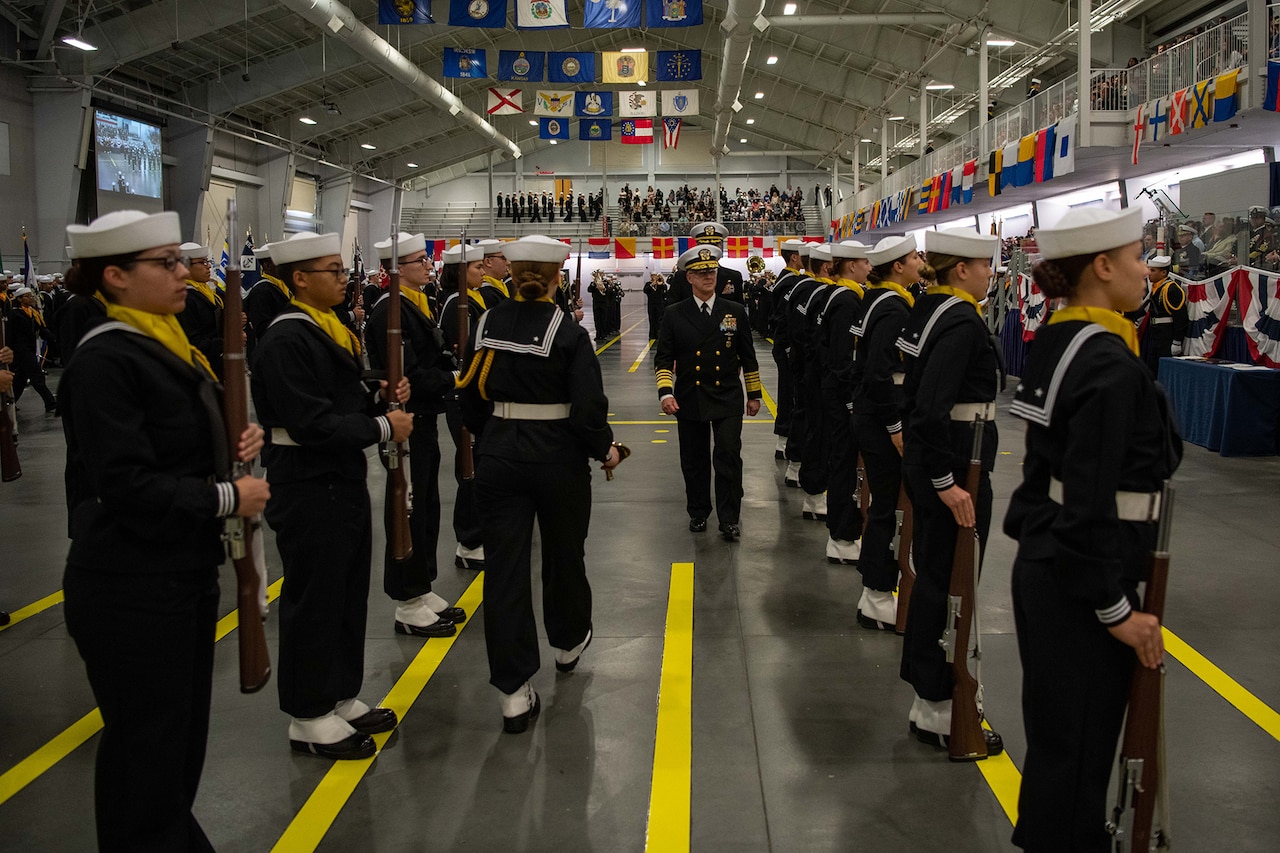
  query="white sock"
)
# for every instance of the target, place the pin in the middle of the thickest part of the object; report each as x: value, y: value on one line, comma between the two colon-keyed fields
x: 329, y: 728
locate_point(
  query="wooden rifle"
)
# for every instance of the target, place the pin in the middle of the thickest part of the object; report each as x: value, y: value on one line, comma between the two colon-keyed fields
x: 396, y: 505
x: 577, y: 279
x: 966, y: 742
x: 465, y: 462
x: 10, y: 466
x: 255, y: 660
x: 902, y: 552
x: 1141, y: 788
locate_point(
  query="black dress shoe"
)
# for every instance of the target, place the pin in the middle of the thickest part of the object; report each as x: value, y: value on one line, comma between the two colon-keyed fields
x: 354, y: 746
x: 779, y: 454
x: 441, y: 628
x: 875, y: 624
x: 520, y: 723
x: 4, y: 618
x: 571, y: 665
x: 730, y: 532
x: 995, y: 743
x: 471, y: 563
x: 697, y: 525
x: 376, y: 721
x: 453, y: 614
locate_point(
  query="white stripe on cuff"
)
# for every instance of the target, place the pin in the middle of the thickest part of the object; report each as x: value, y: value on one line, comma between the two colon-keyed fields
x: 384, y: 428
x: 1116, y: 613
x: 226, y: 499
x: 894, y: 428
x: 943, y: 483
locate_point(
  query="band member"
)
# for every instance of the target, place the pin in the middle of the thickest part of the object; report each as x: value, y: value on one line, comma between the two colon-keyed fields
x: 728, y: 280
x: 428, y: 365
x: 496, y: 272
x: 534, y: 392
x: 468, y: 264
x: 953, y: 369
x: 308, y: 390
x: 202, y: 319
x: 146, y: 491
x: 601, y: 307
x: 1166, y: 316
x: 26, y: 328
x: 703, y: 346
x: 878, y: 410
x: 655, y: 294
x: 1100, y: 442
x: 794, y: 255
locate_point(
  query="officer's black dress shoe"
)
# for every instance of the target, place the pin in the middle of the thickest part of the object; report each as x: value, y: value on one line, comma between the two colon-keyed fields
x: 995, y: 743
x: 352, y: 746
x: 697, y: 525
x: 375, y: 721
x: 730, y: 532
x: 440, y: 628
x: 4, y: 618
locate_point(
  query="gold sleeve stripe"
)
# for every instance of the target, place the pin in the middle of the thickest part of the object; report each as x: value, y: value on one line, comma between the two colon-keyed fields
x: 752, y: 380
x: 666, y: 378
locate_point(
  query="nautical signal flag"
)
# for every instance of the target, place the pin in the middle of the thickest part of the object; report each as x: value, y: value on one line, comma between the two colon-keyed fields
x: 1009, y: 164
x: 618, y: 67
x: 1177, y: 112
x: 1044, y: 154
x: 393, y: 12
x: 670, y: 13
x: 994, y: 164
x: 598, y: 247
x: 671, y: 132
x: 539, y: 14
x: 624, y: 248
x: 738, y: 247
x: 637, y: 131
x: 1064, y: 161
x: 478, y: 13
x: 571, y: 67
x: 611, y: 14
x: 465, y: 63
x: 505, y: 102
x: 967, y: 174
x: 595, y: 130
x: 1225, y: 96
x: 926, y: 195
x: 679, y: 65
x: 1201, y: 107
x: 1026, y: 173
x: 1139, y: 130
x: 553, y: 128
x: 1271, y: 100
x: 522, y: 66
x: 663, y: 247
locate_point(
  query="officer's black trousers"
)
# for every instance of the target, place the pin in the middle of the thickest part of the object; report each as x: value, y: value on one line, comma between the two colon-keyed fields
x: 698, y: 460
x: 147, y: 644
x: 466, y: 509
x: 405, y: 579
x: 933, y: 548
x: 512, y: 496
x: 884, y: 477
x: 844, y: 519
x: 1075, y: 685
x: 323, y: 530
x: 785, y: 399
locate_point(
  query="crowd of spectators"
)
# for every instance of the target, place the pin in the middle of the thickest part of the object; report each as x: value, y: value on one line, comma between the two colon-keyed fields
x: 654, y: 213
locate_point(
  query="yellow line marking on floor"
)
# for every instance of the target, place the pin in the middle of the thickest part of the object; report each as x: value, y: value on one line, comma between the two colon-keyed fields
x: 1004, y: 780
x: 32, y: 609
x: 71, y: 738
x: 317, y: 815
x: 658, y: 441
x: 643, y: 353
x: 1224, y: 685
x: 669, y: 793
x: 617, y: 338
x: 768, y: 402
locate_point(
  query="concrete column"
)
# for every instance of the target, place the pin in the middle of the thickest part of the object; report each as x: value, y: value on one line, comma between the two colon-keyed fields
x: 884, y: 146
x: 1085, y: 48
x: 1258, y: 44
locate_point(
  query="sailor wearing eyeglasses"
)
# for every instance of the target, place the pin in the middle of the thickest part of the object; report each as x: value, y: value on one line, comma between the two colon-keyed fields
x: 497, y: 273
x: 320, y: 417
x: 202, y: 318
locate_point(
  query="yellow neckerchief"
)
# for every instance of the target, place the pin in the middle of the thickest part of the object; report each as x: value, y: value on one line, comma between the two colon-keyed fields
x: 963, y: 295
x: 1109, y: 320
x: 97, y: 294
x: 898, y: 289
x: 474, y: 295
x: 418, y: 298
x: 204, y: 290
x: 332, y: 326
x: 279, y: 285
x: 852, y: 285
x: 499, y: 284
x: 823, y: 279
x: 1163, y: 290
x: 34, y: 315
x: 165, y: 329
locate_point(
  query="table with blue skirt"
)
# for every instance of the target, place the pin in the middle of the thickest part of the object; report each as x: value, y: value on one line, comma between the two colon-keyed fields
x: 1232, y: 410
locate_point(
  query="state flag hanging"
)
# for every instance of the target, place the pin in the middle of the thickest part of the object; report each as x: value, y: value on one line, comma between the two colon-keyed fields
x: 505, y: 102
x: 637, y: 131
x: 663, y: 247
x: 671, y: 132
x: 395, y: 12
x: 553, y: 128
x: 573, y: 67
x: 679, y: 65
x: 593, y: 104
x: 491, y: 14
x: 611, y: 14
x: 553, y: 103
x: 521, y: 66
x: 540, y: 14
x: 465, y: 63
x: 619, y: 67
x: 595, y: 129
x: 680, y: 102
x: 639, y: 104
x: 673, y: 13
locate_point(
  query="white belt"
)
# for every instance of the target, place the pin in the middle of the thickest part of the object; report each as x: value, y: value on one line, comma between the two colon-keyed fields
x: 531, y: 411
x: 1160, y: 321
x: 280, y: 438
x: 899, y: 378
x: 969, y: 411
x: 1130, y: 506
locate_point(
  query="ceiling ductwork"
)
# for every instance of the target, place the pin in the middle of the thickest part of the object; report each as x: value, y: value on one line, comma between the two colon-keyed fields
x: 923, y: 19
x: 741, y: 20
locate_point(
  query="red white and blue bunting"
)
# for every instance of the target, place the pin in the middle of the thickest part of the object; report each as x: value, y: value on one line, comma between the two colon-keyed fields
x: 1208, y: 309
x: 1260, y: 308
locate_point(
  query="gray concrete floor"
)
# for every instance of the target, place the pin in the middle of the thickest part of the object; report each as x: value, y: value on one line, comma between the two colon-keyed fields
x: 799, y: 729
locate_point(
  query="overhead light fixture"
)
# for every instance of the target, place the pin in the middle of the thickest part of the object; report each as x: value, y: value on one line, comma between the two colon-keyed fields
x: 759, y: 95
x: 864, y: 139
x: 412, y: 165
x: 307, y: 120
x: 77, y: 42
x: 1000, y: 42
x: 751, y: 121
x: 533, y: 123
x: 743, y: 141
x: 896, y: 118
x: 641, y: 83
x: 331, y: 108
x: 454, y: 109
x: 789, y: 9
x: 939, y: 87
x: 633, y: 50
x: 553, y: 142
x: 773, y: 60
x: 367, y: 147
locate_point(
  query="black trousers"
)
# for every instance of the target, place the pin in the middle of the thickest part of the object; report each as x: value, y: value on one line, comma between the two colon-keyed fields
x: 844, y: 518
x: 466, y: 507
x: 883, y: 468
x: 324, y: 534
x: 1075, y: 686
x: 600, y: 317
x: 402, y: 580
x: 514, y: 495
x: 698, y: 460
x: 815, y: 458
x: 933, y: 549
x: 656, y: 309
x: 786, y: 394
x: 797, y: 434
x: 26, y: 367
x: 147, y: 644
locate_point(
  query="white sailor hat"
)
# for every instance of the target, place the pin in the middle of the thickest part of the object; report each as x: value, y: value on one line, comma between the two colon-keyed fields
x: 44, y: 279
x: 1257, y: 210
x: 263, y: 252
x: 891, y: 249
x: 9, y: 273
x: 453, y: 254
x: 1188, y: 228
x: 789, y: 246
x: 537, y: 249
x: 124, y: 232
x: 406, y: 245
x: 1160, y: 262
x: 821, y: 251
x: 846, y: 249
x: 1090, y: 230
x: 961, y: 243
x: 21, y: 292
x: 699, y: 258
x: 711, y: 233
x: 305, y: 247
x: 496, y: 247
x: 194, y: 250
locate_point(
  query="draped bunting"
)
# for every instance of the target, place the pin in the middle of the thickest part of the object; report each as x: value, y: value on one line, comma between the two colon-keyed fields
x: 1031, y: 306
x: 1260, y: 308
x: 1208, y: 308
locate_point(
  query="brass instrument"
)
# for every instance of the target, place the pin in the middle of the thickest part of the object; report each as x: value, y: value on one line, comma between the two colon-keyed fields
x: 756, y: 265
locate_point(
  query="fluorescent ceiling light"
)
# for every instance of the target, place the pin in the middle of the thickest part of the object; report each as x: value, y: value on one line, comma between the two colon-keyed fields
x: 304, y: 214
x: 1000, y: 42
x: 633, y: 50
x: 553, y: 142
x: 939, y: 87
x: 76, y: 41
x: 533, y: 123
x: 896, y: 118
x: 641, y: 83
x: 759, y: 95
x: 751, y: 121
x: 743, y: 141
x: 412, y: 165
x: 307, y: 120
x: 789, y: 9
x: 864, y: 139
x: 773, y: 60
x: 367, y: 147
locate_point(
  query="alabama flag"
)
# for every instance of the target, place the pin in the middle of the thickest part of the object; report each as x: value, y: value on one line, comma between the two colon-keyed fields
x: 637, y: 131
x: 504, y: 102
x: 671, y: 132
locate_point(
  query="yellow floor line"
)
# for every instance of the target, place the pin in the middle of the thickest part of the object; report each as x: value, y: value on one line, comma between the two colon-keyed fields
x: 1224, y: 685
x: 71, y: 738
x: 1004, y: 780
x: 617, y: 338
x: 669, y: 793
x: 317, y: 815
x: 32, y: 609
x: 768, y: 403
x: 643, y: 353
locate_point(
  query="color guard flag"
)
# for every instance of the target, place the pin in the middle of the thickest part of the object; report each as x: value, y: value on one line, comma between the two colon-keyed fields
x: 540, y: 14
x: 1064, y: 160
x: 680, y: 102
x: 1201, y: 104
x: 505, y: 102
x: 738, y: 247
x: 522, y: 66
x: 1225, y: 97
x: 595, y: 130
x: 637, y: 104
x: 671, y: 132
x: 1177, y: 112
x: 611, y: 14
x: 393, y: 12
x: 571, y: 67
x: 593, y: 104
x: 624, y: 248
x: 464, y: 62
x: 637, y: 131
x: 1271, y: 101
x: 679, y: 65
x: 663, y: 247
x: 672, y: 13
x: 617, y: 67
x: 478, y: 13
x: 548, y: 103
x: 553, y: 128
